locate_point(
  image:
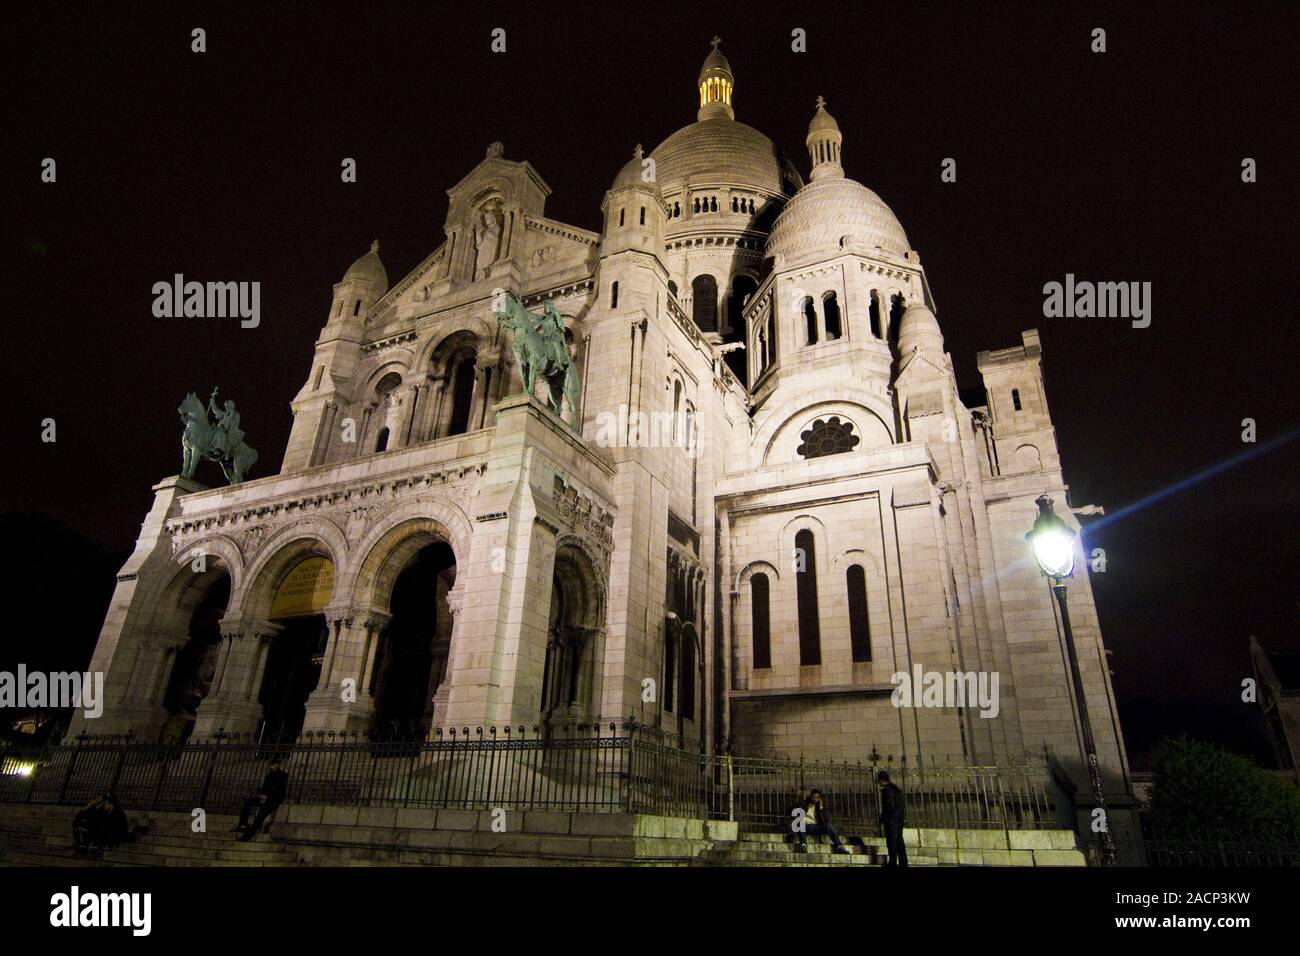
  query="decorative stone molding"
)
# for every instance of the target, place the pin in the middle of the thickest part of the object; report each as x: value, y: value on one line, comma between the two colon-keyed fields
x: 340, y: 504
x: 389, y: 342
x: 584, y: 515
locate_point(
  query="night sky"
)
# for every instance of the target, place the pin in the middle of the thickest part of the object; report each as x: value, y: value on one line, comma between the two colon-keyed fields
x: 1122, y: 166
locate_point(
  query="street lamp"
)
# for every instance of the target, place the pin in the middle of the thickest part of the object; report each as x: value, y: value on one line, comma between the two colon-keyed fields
x: 1052, y: 542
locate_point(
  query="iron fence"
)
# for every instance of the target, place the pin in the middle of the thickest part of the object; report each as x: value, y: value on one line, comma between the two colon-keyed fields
x: 764, y: 792
x: 581, y: 768
x: 1161, y: 853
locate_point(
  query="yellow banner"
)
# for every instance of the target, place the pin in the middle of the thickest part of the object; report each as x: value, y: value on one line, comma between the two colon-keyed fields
x: 306, y: 590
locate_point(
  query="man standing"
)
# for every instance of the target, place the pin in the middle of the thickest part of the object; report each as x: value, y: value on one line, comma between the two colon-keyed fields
x: 891, y: 819
x: 265, y: 801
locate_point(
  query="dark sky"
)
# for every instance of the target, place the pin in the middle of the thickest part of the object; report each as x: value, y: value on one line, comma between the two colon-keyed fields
x: 1122, y: 166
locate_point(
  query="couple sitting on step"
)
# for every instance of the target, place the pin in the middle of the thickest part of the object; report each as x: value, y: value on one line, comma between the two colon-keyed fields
x: 809, y: 815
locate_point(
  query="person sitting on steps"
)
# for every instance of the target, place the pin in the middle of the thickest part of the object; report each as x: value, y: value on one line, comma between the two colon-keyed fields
x: 817, y: 820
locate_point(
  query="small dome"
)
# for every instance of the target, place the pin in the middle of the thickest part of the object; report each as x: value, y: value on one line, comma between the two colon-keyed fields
x: 369, y: 269
x: 919, y: 329
x: 633, y: 171
x: 834, y: 215
x: 822, y: 121
x: 715, y: 64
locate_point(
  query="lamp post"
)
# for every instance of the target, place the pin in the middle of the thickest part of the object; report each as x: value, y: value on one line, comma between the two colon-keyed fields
x: 1052, y: 542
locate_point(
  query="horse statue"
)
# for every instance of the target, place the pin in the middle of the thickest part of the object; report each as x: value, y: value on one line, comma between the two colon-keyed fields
x: 222, y: 442
x: 540, y: 350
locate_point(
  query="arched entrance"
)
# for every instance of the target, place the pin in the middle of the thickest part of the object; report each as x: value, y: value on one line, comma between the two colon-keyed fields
x: 196, y: 661
x: 293, y: 663
x: 575, y: 641
x: 412, y: 656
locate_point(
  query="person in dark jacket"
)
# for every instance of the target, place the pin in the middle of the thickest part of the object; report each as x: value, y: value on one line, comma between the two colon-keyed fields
x: 274, y: 788
x: 817, y: 820
x: 891, y: 819
x: 84, y: 823
x: 112, y: 828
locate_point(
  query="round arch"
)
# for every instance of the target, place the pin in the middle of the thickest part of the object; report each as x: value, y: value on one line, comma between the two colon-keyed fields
x: 768, y: 423
x: 427, y: 519
x: 307, y: 537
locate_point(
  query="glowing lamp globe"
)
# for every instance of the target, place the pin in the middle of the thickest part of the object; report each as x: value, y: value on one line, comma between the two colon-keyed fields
x: 1052, y: 541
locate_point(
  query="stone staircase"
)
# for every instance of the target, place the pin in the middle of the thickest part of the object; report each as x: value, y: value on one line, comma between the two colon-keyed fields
x: 757, y: 848
x: 39, y: 835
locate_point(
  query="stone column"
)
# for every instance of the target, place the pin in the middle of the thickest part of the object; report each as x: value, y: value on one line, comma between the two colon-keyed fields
x: 343, y: 701
x: 414, y: 406
x: 233, y: 705
x: 454, y: 600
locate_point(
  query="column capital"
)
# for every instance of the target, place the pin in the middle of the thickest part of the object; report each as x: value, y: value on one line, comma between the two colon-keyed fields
x: 374, y: 619
x: 250, y: 628
x: 341, y: 615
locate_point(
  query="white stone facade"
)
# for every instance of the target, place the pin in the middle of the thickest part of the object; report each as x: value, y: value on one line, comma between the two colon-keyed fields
x: 597, y: 578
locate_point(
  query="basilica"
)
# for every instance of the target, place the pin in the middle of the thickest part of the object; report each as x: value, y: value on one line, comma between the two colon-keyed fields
x: 815, y: 510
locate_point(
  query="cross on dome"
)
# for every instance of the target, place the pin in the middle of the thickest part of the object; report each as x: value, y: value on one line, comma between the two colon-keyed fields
x: 715, y: 41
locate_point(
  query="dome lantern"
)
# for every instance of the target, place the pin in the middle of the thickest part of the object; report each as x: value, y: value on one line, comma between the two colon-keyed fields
x: 715, y: 84
x: 823, y: 141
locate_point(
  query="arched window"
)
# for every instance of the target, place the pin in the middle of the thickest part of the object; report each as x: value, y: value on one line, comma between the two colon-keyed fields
x: 810, y: 319
x: 1015, y: 398
x: 643, y: 215
x: 613, y: 296
x: 677, y: 409
x: 620, y: 216
x: 462, y: 394
x: 771, y: 339
x: 688, y: 674
x: 831, y: 309
x: 873, y: 311
x: 672, y: 288
x: 670, y: 671
x: 895, y: 316
x: 827, y: 436
x: 704, y: 307
x: 810, y: 640
x: 742, y: 287
x: 381, y: 443
x: 760, y: 619
x: 356, y: 309
x: 859, y: 623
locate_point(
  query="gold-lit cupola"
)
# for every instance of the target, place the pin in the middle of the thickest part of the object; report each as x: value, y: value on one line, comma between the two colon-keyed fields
x: 716, y: 82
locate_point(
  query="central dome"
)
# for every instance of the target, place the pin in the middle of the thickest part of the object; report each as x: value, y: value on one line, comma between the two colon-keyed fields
x: 723, y: 151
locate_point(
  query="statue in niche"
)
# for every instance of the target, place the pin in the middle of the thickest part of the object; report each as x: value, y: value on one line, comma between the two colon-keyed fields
x: 487, y: 237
